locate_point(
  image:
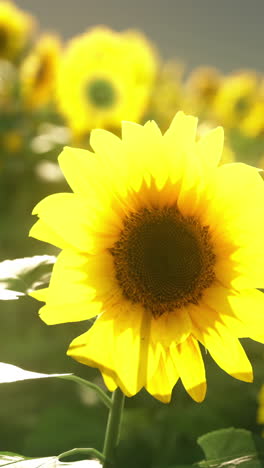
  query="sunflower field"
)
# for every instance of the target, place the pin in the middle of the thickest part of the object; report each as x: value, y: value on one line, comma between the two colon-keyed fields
x: 131, y: 252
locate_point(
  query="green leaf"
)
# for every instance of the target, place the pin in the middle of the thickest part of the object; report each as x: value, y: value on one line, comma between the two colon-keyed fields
x: 22, y: 275
x: 230, y: 448
x: 17, y: 461
x: 8, y: 458
x: 7, y: 295
x: 10, y: 373
x: 20, y: 461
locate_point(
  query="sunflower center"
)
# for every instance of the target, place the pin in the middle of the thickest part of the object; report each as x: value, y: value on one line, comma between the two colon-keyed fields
x: 42, y: 72
x: 162, y: 259
x: 101, y: 93
x: 242, y: 105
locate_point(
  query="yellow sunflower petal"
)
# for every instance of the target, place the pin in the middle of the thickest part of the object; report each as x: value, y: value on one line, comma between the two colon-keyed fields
x: 109, y: 382
x: 68, y: 216
x: 209, y: 148
x: 248, y: 306
x: 109, y: 149
x: 133, y: 134
x: 135, y: 358
x: 243, y: 187
x: 250, y: 260
x: 156, y: 154
x: 190, y: 192
x: 225, y: 349
x: 68, y: 221
x: 147, y: 143
x: 182, y: 132
x: 76, y: 165
x: 70, y: 297
x: 94, y: 180
x: 233, y: 359
x: 40, y: 294
x: 223, y: 213
x: 95, y: 347
x: 189, y: 363
x: 107, y: 145
x: 118, y: 343
x: 171, y: 327
x: 239, y: 265
x: 83, y: 172
x: 232, y: 275
x: 164, y: 379
x: 52, y: 314
x: 42, y: 231
x: 242, y: 309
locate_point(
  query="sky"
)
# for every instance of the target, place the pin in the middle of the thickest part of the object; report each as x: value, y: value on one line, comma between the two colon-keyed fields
x: 227, y: 34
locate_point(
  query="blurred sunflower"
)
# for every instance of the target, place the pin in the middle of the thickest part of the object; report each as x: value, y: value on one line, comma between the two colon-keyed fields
x: 201, y: 88
x: 38, y: 72
x: 11, y: 141
x: 235, y: 97
x: 167, y: 95
x: 16, y: 28
x: 253, y: 124
x: 105, y: 77
x: 165, y: 247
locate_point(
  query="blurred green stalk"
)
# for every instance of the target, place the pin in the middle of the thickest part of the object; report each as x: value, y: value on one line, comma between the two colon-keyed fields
x: 113, y: 428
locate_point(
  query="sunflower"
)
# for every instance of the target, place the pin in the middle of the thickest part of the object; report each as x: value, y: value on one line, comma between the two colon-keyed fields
x: 165, y: 248
x: 201, y: 88
x: 105, y: 77
x: 253, y: 124
x: 38, y: 72
x: 11, y: 141
x: 235, y: 97
x: 16, y: 28
x: 167, y: 94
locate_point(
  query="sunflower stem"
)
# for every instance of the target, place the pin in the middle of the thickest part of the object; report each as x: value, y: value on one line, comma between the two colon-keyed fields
x: 91, y: 452
x: 113, y: 428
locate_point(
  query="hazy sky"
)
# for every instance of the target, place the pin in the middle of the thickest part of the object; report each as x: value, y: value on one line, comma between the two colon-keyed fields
x: 228, y: 34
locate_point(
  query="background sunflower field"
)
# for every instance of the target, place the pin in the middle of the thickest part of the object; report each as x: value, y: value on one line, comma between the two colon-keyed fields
x: 155, y: 58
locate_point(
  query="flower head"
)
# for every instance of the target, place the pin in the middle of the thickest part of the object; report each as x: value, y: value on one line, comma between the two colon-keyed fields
x: 253, y: 124
x: 167, y: 95
x: 201, y: 89
x: 105, y: 77
x: 165, y: 248
x: 235, y: 98
x: 15, y: 29
x: 38, y: 72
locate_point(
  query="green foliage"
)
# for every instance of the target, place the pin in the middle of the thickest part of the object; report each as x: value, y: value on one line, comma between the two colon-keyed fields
x: 232, y: 447
x: 246, y: 149
x: 10, y: 373
x: 18, y: 461
x: 24, y: 275
x: 226, y: 448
